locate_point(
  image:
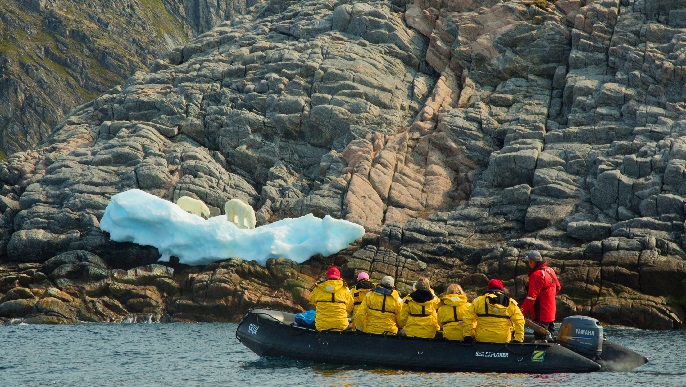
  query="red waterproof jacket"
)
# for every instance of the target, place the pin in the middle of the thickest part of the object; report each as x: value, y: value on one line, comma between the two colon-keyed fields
x: 540, y: 300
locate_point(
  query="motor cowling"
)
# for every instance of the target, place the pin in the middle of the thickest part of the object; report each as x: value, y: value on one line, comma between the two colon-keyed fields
x: 581, y: 334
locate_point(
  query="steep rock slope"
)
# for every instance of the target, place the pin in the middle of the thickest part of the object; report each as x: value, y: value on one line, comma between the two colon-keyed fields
x: 503, y: 128
x: 258, y: 109
x: 582, y: 105
x: 55, y: 55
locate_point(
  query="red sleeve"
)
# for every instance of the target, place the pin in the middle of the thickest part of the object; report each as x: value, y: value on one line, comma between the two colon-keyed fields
x: 535, y: 286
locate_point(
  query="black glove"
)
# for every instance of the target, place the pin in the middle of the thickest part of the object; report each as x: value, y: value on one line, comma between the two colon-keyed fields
x: 468, y: 339
x: 516, y: 341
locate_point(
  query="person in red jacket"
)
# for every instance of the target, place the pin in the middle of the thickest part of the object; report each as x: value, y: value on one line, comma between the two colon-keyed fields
x: 540, y: 298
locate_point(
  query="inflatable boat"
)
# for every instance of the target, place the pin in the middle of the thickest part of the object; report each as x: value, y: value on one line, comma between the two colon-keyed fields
x: 580, y: 347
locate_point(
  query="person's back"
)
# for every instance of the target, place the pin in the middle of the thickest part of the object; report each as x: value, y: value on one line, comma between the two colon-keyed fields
x: 380, y: 310
x: 418, y: 315
x: 496, y: 316
x: 333, y: 302
x: 451, y: 313
x: 359, y: 291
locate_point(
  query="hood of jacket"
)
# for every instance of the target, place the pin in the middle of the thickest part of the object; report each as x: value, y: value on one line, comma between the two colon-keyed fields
x: 364, y: 284
x: 422, y: 295
x: 383, y: 290
x: 330, y: 286
x: 454, y: 299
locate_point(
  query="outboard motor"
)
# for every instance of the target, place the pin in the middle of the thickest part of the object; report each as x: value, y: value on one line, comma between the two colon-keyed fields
x: 582, y: 334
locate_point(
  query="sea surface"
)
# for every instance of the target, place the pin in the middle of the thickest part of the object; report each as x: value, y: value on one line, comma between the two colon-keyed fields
x: 94, y: 354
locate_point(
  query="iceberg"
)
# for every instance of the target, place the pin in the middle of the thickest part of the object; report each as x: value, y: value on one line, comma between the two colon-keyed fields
x: 139, y: 217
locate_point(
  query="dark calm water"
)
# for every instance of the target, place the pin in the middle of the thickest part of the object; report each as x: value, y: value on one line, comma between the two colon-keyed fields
x: 90, y: 354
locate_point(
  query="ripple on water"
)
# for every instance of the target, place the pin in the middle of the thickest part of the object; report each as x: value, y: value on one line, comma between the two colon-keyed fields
x: 92, y: 354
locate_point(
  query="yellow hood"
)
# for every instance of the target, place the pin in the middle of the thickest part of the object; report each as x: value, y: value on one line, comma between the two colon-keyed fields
x: 454, y: 299
x: 330, y: 286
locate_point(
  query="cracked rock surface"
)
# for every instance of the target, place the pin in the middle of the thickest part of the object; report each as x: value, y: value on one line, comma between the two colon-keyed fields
x: 460, y: 134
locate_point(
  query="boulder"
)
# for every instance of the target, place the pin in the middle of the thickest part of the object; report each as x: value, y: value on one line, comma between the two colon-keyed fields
x: 18, y: 293
x: 17, y: 308
x: 589, y: 231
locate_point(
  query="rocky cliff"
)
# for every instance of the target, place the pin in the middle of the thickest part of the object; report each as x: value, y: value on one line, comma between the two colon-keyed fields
x: 55, y: 55
x: 460, y: 134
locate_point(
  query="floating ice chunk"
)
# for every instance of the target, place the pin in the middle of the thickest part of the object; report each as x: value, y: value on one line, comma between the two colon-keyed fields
x: 139, y: 217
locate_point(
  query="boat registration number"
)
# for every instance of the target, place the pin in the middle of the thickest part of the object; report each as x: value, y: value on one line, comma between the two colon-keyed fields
x: 252, y: 328
x: 492, y: 354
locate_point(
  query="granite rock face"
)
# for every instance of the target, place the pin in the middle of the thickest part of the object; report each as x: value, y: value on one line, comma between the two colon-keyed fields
x: 460, y: 134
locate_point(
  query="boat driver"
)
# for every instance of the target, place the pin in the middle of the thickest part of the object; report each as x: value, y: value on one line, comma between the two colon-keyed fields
x: 540, y: 298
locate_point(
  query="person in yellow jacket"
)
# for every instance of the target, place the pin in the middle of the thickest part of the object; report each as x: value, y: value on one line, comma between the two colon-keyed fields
x: 379, y: 312
x: 451, y: 312
x: 418, y: 315
x: 359, y: 291
x: 496, y: 316
x: 333, y: 302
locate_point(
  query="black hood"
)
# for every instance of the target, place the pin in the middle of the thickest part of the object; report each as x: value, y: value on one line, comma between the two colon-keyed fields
x: 364, y: 284
x: 422, y: 295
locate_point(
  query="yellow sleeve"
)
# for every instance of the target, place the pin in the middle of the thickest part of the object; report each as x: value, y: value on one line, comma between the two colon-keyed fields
x: 517, y: 319
x: 434, y: 316
x: 398, y: 310
x: 470, y: 319
x: 360, y: 319
x: 313, y: 296
x: 463, y: 311
x: 404, y: 313
x: 349, y: 302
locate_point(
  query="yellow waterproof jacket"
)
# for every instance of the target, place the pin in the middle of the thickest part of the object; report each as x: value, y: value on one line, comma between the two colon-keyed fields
x: 333, y: 303
x: 496, y: 316
x: 418, y: 315
x: 359, y: 291
x: 379, y: 312
x: 451, y: 313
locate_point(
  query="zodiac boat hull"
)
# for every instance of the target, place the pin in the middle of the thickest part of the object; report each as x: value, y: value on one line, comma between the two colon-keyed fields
x: 272, y: 333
